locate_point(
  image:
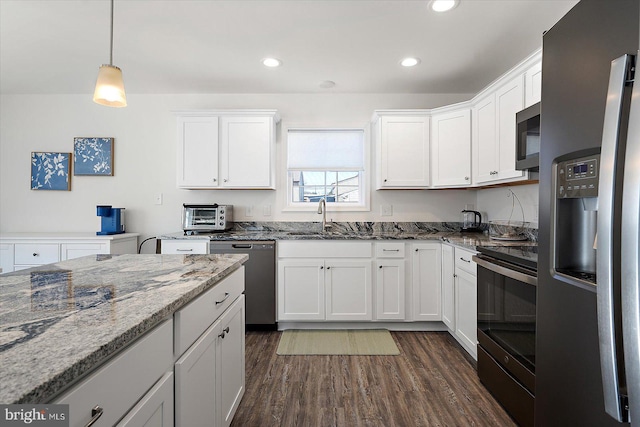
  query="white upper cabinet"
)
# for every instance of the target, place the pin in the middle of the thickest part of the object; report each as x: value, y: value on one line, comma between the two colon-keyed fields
x: 494, y: 134
x: 402, y: 146
x: 198, y: 152
x: 227, y: 149
x: 451, y: 148
x: 533, y: 85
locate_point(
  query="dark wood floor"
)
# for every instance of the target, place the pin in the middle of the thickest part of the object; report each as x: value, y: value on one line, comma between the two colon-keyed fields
x: 431, y: 383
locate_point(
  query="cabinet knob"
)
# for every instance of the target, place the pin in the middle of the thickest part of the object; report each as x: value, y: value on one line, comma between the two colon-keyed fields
x: 322, y: 267
x: 215, y: 180
x: 385, y: 180
x: 466, y: 178
x: 35, y: 254
x: 328, y: 268
x: 416, y: 250
x: 380, y: 267
x: 225, y: 180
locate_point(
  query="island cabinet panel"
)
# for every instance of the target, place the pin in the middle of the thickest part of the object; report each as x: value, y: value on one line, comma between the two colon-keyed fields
x: 155, y: 409
x: 123, y: 381
x: 426, y: 281
x: 192, y: 320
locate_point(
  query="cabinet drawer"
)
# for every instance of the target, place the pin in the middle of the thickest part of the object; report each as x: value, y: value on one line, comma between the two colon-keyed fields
x: 119, y: 384
x: 184, y: 247
x: 192, y: 320
x: 324, y: 249
x: 390, y: 250
x: 36, y: 253
x: 464, y: 261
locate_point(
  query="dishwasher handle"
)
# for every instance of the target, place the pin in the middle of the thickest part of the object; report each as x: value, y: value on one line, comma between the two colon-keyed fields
x: 241, y: 246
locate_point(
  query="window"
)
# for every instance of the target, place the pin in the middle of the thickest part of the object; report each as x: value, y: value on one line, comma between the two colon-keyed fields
x: 326, y: 164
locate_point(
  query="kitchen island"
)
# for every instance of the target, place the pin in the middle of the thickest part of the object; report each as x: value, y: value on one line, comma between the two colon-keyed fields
x: 59, y: 322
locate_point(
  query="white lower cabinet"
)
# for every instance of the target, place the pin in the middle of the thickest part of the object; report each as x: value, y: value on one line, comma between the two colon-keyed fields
x: 155, y: 409
x: 466, y: 304
x: 390, y: 281
x: 130, y: 377
x: 448, y: 288
x: 426, y: 281
x: 210, y: 376
x: 324, y: 280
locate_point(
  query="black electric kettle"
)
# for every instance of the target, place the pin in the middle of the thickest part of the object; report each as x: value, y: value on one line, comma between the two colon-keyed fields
x: 471, y: 221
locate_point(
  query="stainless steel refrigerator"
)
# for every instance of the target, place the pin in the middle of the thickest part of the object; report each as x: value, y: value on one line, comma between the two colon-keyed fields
x: 587, y: 353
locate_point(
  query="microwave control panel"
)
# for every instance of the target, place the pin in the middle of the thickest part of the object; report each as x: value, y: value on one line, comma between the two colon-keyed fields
x: 578, y: 178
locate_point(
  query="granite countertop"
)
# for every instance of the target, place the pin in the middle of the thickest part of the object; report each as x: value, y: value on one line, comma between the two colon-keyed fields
x: 465, y: 240
x: 60, y: 321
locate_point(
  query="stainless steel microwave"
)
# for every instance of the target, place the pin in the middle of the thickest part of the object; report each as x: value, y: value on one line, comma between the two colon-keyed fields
x: 528, y: 138
x: 206, y: 218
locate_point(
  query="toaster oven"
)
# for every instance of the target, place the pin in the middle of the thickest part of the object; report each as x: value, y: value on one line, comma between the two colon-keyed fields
x: 206, y: 218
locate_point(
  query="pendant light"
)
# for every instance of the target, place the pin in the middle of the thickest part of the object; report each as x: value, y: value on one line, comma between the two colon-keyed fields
x: 109, y: 85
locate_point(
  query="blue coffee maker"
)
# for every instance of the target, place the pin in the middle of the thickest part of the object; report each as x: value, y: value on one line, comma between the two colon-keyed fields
x: 112, y: 220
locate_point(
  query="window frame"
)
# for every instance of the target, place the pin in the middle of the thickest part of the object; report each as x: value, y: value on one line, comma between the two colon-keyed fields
x: 365, y: 175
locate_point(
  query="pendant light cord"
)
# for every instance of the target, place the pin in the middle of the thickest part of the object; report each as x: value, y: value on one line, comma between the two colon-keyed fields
x: 111, y: 42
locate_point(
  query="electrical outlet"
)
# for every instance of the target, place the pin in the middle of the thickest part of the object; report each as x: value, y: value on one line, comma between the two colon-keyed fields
x: 158, y: 198
x: 386, y: 210
x: 248, y: 211
x: 266, y: 210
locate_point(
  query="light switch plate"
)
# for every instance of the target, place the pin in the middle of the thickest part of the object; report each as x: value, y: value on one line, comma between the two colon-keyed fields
x: 157, y: 198
x: 248, y: 211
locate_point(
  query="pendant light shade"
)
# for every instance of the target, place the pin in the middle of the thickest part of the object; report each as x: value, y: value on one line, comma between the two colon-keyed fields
x: 110, y: 85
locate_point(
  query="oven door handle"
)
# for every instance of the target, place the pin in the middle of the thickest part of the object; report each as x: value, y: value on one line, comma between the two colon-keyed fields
x: 505, y: 271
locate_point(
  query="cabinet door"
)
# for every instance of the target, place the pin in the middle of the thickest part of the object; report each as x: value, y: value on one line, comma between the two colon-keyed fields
x: 184, y: 246
x: 196, y: 382
x: 509, y: 100
x: 451, y: 148
x: 301, y: 289
x: 390, y: 285
x: 230, y: 379
x: 247, y: 149
x: 533, y: 85
x: 76, y: 250
x: 426, y: 281
x: 466, y: 310
x: 403, y: 152
x: 155, y: 409
x: 198, y: 152
x: 485, y: 143
x: 448, y: 294
x: 348, y: 290
x: 6, y: 258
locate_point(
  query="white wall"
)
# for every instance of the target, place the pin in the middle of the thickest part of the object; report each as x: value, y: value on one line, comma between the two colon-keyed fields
x: 145, y: 164
x: 498, y: 203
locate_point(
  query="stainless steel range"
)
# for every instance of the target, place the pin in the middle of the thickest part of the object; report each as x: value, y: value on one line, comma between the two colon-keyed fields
x: 507, y: 280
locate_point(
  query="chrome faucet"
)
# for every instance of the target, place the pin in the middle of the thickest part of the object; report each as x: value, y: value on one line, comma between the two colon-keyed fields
x: 322, y: 209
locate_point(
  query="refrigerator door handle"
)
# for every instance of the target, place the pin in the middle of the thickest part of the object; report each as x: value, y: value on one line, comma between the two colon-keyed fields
x: 604, y: 253
x: 630, y: 253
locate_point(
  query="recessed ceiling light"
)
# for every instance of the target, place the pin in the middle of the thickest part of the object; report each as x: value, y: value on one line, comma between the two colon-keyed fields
x: 410, y: 62
x: 271, y: 62
x: 443, y: 5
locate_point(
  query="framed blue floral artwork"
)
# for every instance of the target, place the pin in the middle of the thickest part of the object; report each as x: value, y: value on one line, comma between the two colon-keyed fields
x: 50, y: 171
x: 93, y: 156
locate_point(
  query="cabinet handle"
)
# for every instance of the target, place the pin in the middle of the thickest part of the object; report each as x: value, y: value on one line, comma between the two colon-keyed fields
x: 391, y: 250
x: 465, y: 260
x: 95, y: 414
x: 184, y: 250
x: 36, y: 254
x: 224, y: 332
x: 226, y: 295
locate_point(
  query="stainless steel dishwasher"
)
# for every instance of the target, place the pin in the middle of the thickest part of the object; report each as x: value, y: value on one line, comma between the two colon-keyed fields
x: 260, y: 280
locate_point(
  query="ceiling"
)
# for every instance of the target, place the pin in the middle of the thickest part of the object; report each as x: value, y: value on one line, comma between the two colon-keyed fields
x: 215, y: 46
